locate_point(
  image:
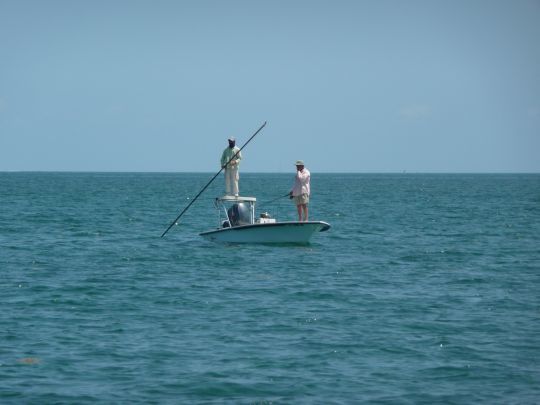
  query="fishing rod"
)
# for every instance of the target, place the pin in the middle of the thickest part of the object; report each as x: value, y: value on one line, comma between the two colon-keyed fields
x: 275, y: 199
x: 212, y: 179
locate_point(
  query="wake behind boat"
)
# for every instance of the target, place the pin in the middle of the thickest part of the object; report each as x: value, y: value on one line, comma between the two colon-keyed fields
x: 237, y: 224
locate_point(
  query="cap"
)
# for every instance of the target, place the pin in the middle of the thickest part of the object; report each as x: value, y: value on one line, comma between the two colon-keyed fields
x: 299, y: 163
x: 232, y: 139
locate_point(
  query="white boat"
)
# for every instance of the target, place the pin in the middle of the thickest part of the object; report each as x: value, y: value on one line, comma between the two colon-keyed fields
x: 237, y: 224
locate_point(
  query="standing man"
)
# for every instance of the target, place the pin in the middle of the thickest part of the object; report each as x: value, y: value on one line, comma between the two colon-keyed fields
x: 301, y: 190
x: 233, y: 154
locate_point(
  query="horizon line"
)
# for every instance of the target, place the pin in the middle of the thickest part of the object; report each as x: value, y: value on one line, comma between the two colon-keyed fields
x: 264, y: 172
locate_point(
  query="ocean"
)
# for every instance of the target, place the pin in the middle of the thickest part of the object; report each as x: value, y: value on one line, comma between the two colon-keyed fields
x: 425, y: 290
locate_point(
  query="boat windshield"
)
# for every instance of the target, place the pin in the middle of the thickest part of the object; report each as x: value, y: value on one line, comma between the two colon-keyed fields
x: 239, y: 214
x: 236, y: 211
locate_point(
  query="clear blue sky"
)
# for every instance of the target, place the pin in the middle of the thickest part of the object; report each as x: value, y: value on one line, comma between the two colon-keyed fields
x: 347, y: 86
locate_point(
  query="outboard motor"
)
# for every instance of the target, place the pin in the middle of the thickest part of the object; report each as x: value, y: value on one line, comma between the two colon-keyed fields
x: 239, y: 214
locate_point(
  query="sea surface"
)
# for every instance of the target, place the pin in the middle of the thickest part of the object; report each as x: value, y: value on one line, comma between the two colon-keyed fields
x: 425, y: 290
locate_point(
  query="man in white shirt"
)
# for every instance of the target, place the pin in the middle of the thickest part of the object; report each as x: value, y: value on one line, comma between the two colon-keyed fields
x: 231, y: 153
x: 301, y: 190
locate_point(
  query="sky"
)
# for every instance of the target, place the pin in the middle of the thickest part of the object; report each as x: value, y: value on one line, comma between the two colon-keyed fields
x: 347, y: 86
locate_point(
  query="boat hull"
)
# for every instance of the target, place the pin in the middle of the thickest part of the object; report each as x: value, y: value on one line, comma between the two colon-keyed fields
x: 277, y: 232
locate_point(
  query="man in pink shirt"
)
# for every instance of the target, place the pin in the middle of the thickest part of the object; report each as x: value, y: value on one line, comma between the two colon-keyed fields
x: 300, y: 191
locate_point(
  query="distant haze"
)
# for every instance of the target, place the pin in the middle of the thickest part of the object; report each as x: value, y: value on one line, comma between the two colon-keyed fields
x: 346, y: 86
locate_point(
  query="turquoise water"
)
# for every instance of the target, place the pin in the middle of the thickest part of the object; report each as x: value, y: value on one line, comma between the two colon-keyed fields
x: 425, y: 290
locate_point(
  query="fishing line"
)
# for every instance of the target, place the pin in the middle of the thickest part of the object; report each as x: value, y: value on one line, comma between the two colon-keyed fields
x: 275, y: 199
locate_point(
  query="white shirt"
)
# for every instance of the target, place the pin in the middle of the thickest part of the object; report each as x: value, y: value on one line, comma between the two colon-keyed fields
x: 301, y: 183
